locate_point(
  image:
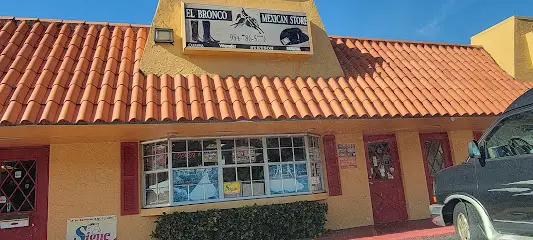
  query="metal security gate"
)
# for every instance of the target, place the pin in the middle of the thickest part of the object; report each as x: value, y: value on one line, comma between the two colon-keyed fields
x: 437, y: 155
x: 385, y: 181
x: 23, y: 193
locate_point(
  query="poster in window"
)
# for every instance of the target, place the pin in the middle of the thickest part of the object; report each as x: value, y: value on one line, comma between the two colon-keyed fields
x: 346, y: 153
x: 242, y: 155
x: 103, y: 227
x: 210, y: 157
x: 314, y: 154
x: 232, y: 189
x: 316, y: 184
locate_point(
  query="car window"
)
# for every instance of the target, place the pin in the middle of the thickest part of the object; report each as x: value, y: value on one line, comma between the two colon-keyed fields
x: 511, y: 137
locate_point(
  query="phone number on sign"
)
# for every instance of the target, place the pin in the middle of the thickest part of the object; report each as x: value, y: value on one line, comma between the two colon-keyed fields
x: 248, y: 38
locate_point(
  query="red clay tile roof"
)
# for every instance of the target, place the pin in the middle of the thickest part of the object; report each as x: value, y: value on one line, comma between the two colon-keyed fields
x: 429, y: 78
x: 74, y: 72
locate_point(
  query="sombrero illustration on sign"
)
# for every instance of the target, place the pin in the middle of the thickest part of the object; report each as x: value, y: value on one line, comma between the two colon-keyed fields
x: 292, y: 36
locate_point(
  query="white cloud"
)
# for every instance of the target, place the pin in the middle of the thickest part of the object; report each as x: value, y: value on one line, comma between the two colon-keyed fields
x: 432, y: 27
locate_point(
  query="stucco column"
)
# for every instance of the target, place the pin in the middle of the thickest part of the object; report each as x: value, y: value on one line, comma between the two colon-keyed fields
x: 459, y: 144
x: 413, y: 175
x: 354, y: 207
x: 84, y: 181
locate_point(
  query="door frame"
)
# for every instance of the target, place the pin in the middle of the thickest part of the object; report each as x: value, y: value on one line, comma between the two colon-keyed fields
x: 41, y: 154
x: 391, y: 138
x: 448, y: 161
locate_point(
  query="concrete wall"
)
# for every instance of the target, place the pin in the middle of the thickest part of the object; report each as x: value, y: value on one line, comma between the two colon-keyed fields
x: 413, y: 175
x: 499, y: 41
x: 169, y: 59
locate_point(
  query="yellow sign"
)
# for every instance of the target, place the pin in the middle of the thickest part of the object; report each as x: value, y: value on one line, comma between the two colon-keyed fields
x: 232, y: 189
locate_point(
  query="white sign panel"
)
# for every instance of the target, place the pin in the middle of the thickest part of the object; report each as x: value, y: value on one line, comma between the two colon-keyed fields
x: 208, y: 27
x: 101, y: 228
x: 346, y: 153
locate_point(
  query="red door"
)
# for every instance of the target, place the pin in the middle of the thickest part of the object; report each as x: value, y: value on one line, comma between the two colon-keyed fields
x: 23, y: 193
x: 386, y: 188
x: 437, y: 156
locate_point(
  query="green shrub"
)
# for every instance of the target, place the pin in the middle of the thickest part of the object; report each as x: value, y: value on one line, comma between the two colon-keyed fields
x: 297, y: 220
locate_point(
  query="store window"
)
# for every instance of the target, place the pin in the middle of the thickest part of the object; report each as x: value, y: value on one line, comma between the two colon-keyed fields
x: 189, y: 171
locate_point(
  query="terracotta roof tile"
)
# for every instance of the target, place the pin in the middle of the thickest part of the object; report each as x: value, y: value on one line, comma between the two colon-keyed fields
x: 434, y: 66
x: 76, y: 72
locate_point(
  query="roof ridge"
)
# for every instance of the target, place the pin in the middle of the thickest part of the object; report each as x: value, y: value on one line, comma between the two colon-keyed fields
x: 47, y: 20
x: 407, y: 41
x: 213, y: 75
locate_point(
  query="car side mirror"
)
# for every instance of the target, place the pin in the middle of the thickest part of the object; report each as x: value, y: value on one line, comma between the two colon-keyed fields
x: 473, y: 150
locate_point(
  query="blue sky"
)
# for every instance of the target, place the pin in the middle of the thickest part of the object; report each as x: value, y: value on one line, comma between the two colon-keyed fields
x: 425, y: 20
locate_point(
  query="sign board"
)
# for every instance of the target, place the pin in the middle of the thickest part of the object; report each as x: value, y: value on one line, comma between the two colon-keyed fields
x: 237, y: 29
x: 104, y: 227
x: 232, y: 189
x: 346, y: 153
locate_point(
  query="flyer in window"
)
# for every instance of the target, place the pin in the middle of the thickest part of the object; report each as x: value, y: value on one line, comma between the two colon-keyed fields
x: 210, y: 156
x: 232, y: 189
x: 242, y: 155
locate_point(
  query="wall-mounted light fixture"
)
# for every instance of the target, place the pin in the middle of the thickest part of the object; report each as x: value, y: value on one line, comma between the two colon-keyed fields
x: 164, y: 35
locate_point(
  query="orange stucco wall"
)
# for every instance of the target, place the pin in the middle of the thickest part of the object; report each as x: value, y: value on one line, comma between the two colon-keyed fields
x: 169, y: 58
x: 85, y: 169
x: 413, y: 175
x: 510, y: 43
x: 459, y: 144
x: 353, y: 208
x: 499, y: 41
x: 524, y: 48
x: 84, y: 182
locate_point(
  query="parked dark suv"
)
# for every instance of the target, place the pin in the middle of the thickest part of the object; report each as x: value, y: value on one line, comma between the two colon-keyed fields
x: 490, y: 195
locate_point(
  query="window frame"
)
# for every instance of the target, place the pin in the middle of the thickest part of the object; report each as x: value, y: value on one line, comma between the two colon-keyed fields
x: 221, y: 165
x: 495, y: 127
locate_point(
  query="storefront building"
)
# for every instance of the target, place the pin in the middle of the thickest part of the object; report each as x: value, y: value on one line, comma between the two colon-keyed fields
x: 99, y: 119
x: 510, y: 43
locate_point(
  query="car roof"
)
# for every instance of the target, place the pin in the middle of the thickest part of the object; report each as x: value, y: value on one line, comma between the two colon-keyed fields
x: 524, y: 100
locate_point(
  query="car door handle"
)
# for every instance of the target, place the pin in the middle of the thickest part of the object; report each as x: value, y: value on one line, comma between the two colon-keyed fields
x: 370, y: 183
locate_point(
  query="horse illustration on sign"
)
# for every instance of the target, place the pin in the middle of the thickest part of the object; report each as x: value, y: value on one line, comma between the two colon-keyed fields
x: 244, y: 19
